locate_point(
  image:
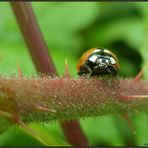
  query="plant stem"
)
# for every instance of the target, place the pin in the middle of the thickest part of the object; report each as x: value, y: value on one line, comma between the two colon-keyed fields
x: 60, y: 99
x: 42, y: 60
x: 33, y: 37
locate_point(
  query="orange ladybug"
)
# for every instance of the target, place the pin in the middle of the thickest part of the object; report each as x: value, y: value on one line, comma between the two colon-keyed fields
x: 98, y: 61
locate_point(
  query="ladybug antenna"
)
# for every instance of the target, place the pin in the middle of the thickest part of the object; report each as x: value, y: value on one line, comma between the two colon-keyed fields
x: 20, y: 74
x: 66, y: 75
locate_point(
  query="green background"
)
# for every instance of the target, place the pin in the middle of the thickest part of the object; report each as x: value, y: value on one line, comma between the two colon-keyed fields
x: 71, y: 28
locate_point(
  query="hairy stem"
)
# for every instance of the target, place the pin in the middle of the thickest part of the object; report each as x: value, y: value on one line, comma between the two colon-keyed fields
x: 59, y: 99
x: 42, y: 60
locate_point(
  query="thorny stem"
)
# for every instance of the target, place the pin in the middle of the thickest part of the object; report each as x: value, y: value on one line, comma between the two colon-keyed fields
x: 69, y: 99
x: 43, y: 61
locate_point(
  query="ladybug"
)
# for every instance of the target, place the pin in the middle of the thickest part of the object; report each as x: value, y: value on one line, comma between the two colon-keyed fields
x: 98, y: 61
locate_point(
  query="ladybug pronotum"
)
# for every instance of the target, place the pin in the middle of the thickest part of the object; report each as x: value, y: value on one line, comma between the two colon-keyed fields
x: 98, y: 61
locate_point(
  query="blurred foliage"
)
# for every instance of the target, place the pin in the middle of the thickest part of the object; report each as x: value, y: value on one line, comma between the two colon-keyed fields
x: 71, y: 28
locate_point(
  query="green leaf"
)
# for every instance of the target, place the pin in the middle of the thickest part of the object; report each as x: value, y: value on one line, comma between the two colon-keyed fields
x: 16, y: 137
x: 141, y: 128
x: 103, y: 132
x: 4, y: 124
x: 44, y: 135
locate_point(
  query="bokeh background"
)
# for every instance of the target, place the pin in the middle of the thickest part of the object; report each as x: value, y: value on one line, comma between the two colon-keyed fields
x: 71, y: 28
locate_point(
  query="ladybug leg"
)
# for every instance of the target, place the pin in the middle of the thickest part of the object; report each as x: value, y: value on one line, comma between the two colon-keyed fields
x: 108, y: 69
x: 112, y: 71
x: 85, y: 71
x: 81, y: 72
x: 109, y: 83
x: 89, y: 71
